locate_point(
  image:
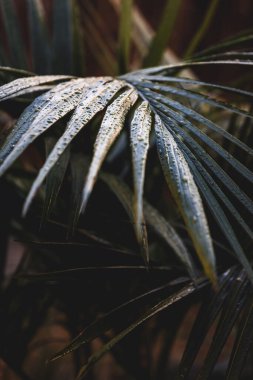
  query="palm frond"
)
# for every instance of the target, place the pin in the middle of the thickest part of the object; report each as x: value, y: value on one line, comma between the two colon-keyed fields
x: 148, y: 104
x: 228, y: 43
x: 157, y: 308
x: 93, y: 101
x: 174, y: 68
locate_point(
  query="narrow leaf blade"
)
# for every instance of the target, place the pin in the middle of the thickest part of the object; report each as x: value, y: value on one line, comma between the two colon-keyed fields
x: 185, y: 192
x: 112, y: 124
x: 91, y: 102
x: 139, y: 134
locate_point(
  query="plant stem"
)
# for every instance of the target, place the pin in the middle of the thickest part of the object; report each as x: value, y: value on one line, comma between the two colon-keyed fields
x: 125, y: 26
x: 202, y: 28
x: 161, y: 38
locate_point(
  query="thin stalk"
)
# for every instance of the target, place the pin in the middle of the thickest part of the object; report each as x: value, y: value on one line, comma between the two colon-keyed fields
x: 202, y: 29
x: 125, y: 27
x: 161, y: 38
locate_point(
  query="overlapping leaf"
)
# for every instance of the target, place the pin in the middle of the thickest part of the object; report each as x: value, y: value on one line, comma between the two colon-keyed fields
x: 154, y: 219
x: 39, y: 116
x: 160, y: 306
x: 226, y: 306
x: 93, y: 101
x: 55, y: 177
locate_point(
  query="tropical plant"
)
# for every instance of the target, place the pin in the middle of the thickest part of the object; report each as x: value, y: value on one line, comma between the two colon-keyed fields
x: 196, y: 250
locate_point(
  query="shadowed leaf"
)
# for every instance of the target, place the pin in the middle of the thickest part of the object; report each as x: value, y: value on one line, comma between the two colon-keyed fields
x: 164, y: 304
x: 55, y: 177
x: 154, y: 219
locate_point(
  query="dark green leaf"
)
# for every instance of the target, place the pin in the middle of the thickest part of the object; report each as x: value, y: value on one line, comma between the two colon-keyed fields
x: 216, y: 210
x: 196, y: 96
x: 209, y: 161
x: 186, y: 195
x: 169, y: 69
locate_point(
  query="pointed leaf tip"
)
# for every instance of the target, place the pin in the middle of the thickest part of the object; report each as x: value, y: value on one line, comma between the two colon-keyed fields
x: 90, y: 101
x: 186, y: 195
x: 112, y: 124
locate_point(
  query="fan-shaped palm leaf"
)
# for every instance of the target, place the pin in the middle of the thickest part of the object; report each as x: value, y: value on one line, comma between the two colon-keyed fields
x: 149, y: 103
